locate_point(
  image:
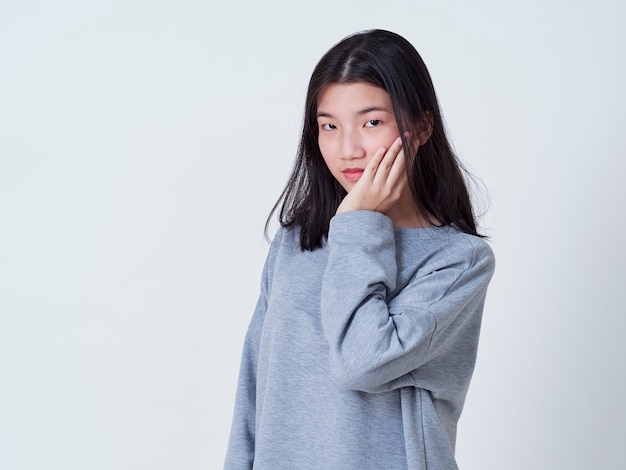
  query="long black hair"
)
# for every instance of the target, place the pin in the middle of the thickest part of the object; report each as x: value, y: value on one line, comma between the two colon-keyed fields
x: 436, y: 177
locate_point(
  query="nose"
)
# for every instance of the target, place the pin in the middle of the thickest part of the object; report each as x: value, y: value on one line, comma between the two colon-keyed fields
x: 351, y: 146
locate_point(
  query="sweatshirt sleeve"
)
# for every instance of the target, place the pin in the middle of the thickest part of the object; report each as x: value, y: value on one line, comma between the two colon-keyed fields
x: 240, y: 451
x: 378, y: 344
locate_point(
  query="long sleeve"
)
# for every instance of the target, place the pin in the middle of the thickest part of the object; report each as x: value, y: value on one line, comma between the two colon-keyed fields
x: 240, y: 452
x: 381, y: 334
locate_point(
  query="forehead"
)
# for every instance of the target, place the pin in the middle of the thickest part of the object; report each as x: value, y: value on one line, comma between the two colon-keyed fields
x: 353, y: 96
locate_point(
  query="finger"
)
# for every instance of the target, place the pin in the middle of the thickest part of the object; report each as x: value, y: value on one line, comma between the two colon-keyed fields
x: 398, y: 170
x: 413, y: 143
x: 392, y: 153
x: 387, y: 162
x: 374, y: 163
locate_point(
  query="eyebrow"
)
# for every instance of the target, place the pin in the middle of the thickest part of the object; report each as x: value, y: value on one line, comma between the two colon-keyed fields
x: 369, y: 109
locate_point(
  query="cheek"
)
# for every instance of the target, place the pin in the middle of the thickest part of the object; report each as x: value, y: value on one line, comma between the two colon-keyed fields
x: 326, y: 152
x: 391, y: 137
x: 385, y: 140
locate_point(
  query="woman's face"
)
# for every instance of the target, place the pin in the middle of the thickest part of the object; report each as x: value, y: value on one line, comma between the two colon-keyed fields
x: 354, y: 121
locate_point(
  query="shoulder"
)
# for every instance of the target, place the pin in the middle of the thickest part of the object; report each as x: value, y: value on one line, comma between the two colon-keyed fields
x: 286, y: 238
x: 444, y: 251
x: 463, y: 256
x: 451, y: 245
x: 474, y: 250
x: 442, y: 263
x: 285, y: 246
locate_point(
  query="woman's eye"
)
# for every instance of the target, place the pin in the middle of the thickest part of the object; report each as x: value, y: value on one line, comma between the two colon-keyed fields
x: 328, y: 127
x: 372, y: 123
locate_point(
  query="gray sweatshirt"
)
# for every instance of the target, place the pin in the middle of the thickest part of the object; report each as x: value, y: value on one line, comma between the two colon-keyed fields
x: 359, y: 354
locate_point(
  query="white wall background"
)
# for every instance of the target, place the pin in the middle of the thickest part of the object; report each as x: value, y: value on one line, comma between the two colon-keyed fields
x: 142, y: 145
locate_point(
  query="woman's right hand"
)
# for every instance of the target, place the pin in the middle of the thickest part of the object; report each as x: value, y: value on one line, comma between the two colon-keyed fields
x: 383, y: 182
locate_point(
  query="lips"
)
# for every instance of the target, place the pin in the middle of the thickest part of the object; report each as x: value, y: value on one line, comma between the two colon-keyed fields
x: 352, y: 174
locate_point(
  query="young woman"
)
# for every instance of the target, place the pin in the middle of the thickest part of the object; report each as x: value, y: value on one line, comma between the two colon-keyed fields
x: 362, y: 345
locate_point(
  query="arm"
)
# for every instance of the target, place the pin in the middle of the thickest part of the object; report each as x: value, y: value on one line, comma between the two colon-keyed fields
x: 240, y: 452
x: 377, y: 344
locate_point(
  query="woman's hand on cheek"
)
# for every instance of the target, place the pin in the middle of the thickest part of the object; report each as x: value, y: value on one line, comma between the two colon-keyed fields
x: 382, y: 184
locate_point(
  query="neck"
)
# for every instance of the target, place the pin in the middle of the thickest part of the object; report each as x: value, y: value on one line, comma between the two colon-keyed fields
x: 405, y: 214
